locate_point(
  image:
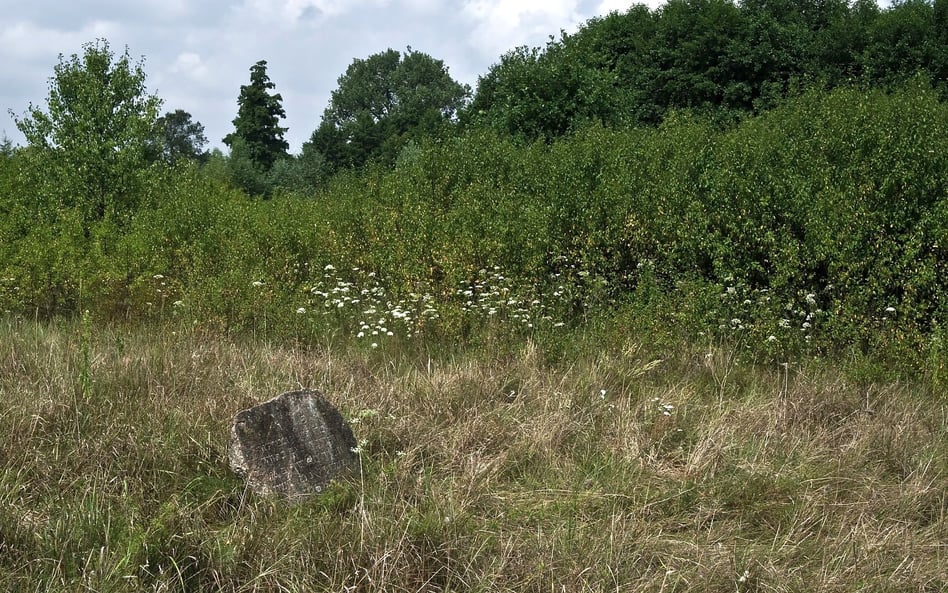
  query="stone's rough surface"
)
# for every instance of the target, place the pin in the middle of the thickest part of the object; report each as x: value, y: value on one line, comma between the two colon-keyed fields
x: 293, y: 444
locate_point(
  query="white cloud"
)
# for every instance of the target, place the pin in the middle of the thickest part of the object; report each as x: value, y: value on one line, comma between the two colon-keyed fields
x: 26, y: 40
x: 290, y: 12
x: 191, y: 66
x: 424, y: 5
x: 168, y: 10
x: 500, y: 25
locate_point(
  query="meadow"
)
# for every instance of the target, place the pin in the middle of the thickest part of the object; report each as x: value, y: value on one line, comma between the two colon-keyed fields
x: 618, y: 466
x: 688, y: 358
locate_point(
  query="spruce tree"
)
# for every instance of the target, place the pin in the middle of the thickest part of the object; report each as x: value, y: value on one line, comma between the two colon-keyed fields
x: 256, y: 126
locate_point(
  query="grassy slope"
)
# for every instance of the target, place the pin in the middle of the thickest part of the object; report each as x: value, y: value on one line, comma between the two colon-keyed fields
x: 618, y: 468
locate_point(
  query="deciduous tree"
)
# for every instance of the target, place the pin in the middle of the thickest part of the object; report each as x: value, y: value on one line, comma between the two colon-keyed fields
x: 91, y: 145
x: 382, y: 103
x: 181, y: 137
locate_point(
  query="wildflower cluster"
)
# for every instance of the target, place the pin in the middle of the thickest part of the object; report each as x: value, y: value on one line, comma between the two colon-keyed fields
x: 361, y: 303
x: 756, y: 313
x: 492, y: 295
x: 802, y: 314
x: 578, y: 286
x: 159, y: 291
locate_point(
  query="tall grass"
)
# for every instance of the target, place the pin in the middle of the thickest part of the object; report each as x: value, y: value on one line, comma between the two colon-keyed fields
x: 622, y: 466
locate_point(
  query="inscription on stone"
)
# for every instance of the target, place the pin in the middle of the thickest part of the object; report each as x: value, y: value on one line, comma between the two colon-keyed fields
x: 293, y: 444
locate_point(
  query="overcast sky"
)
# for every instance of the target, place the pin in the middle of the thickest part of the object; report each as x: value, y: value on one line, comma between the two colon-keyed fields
x: 198, y: 52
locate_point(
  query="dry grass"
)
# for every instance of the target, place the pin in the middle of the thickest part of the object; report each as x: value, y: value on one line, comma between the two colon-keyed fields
x: 619, y: 470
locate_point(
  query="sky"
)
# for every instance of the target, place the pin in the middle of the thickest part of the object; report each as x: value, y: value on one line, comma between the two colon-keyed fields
x: 197, y: 53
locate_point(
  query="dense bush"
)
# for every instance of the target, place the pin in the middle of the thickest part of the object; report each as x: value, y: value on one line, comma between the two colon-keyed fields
x: 818, y: 224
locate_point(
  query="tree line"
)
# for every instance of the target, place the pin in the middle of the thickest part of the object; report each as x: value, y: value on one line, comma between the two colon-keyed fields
x: 717, y: 58
x: 713, y: 57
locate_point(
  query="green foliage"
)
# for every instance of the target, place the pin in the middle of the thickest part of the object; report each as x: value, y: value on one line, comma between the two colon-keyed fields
x: 90, y: 149
x: 243, y: 171
x: 900, y: 41
x: 531, y: 95
x: 256, y: 126
x: 181, y: 138
x: 382, y: 103
x: 6, y: 147
x: 714, y: 57
x: 812, y: 227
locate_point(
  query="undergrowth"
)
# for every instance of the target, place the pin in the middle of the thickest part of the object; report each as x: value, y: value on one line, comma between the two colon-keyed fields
x: 616, y: 462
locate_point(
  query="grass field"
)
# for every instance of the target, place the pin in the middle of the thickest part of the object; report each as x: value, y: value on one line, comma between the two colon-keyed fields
x: 614, y: 466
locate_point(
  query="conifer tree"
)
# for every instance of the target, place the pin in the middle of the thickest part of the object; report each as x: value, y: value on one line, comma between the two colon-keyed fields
x: 256, y: 126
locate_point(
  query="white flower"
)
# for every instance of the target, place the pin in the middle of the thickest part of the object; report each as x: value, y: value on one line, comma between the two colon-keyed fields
x: 811, y: 298
x: 158, y: 277
x: 890, y: 309
x: 256, y: 284
x: 360, y: 335
x: 375, y: 345
x: 301, y: 310
x: 329, y: 268
x: 771, y: 338
x: 361, y: 447
x: 177, y: 303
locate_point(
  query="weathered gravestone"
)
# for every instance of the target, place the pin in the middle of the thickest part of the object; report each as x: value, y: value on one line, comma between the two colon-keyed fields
x: 293, y: 444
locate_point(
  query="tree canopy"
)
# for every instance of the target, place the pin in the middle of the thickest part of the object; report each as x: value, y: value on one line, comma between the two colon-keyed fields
x: 94, y: 140
x: 382, y: 103
x: 715, y: 57
x: 181, y: 137
x: 257, y: 131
